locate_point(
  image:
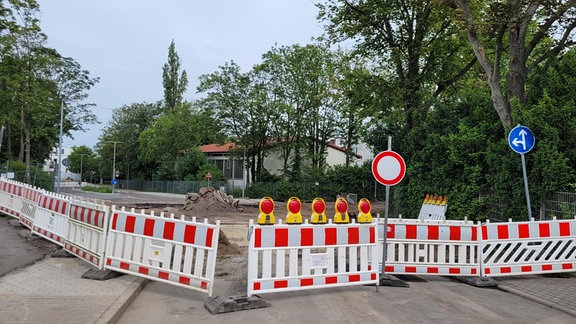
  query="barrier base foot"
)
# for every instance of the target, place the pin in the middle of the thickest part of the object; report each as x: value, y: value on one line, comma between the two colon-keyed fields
x: 219, y: 305
x: 95, y: 274
x: 391, y: 281
x: 479, y: 281
x: 61, y: 254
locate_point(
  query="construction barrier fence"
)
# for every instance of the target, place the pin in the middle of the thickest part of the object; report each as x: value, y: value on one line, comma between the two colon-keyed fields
x: 430, y: 247
x: 167, y: 249
x: 157, y: 247
x: 295, y: 256
x: 287, y: 257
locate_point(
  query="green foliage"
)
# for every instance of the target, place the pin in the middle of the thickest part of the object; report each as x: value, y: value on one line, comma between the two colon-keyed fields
x: 106, y: 189
x: 174, y: 81
x: 83, y: 161
x: 188, y: 166
x: 216, y: 173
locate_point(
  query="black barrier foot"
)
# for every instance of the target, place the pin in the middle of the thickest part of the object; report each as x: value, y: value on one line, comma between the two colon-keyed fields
x: 391, y: 281
x: 61, y: 254
x: 479, y: 281
x: 219, y: 305
x: 100, y: 274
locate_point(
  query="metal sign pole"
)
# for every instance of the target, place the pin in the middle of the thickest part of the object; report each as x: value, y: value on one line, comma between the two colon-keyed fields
x: 526, y: 187
x: 385, y: 231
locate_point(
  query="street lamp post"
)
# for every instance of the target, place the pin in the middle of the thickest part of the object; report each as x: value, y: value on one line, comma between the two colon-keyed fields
x: 59, y: 165
x: 114, y: 165
x: 81, y: 158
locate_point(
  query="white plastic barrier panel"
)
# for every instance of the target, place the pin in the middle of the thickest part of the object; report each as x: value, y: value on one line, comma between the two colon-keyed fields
x: 528, y: 247
x: 31, y: 197
x: 51, y: 217
x: 10, y: 197
x: 287, y: 257
x: 431, y: 247
x: 165, y: 249
x: 433, y: 208
x: 87, y: 228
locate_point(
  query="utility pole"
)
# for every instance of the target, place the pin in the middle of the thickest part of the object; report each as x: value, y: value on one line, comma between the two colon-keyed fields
x: 114, y: 165
x: 59, y: 164
x: 81, y: 158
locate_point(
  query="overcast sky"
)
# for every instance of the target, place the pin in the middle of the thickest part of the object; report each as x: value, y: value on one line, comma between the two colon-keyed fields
x: 125, y: 43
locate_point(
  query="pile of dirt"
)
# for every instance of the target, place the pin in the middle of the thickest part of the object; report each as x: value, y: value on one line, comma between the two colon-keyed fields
x: 209, y: 200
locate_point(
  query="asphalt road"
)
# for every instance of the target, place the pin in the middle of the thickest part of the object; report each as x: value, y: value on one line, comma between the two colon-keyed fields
x: 437, y: 300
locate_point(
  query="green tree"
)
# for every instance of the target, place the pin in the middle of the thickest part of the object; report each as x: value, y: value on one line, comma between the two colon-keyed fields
x: 243, y: 106
x: 511, y: 38
x: 126, y: 125
x: 415, y: 46
x: 83, y: 161
x: 171, y: 136
x: 33, y: 83
x: 174, y: 81
x: 301, y: 80
x: 188, y: 165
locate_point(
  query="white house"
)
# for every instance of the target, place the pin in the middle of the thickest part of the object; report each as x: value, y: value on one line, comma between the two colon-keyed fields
x: 52, y: 162
x: 234, y: 170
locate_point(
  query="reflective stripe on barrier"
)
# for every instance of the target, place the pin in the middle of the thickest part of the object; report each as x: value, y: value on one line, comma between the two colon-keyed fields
x: 87, y: 229
x: 51, y: 217
x: 287, y: 257
x: 528, y: 247
x: 174, y: 251
x: 430, y: 247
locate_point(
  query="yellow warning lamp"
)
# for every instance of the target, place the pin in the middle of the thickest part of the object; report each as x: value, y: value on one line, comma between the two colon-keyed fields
x: 318, y: 211
x: 341, y: 209
x: 426, y: 199
x: 445, y: 201
x: 266, y: 216
x: 294, y: 206
x: 364, y: 214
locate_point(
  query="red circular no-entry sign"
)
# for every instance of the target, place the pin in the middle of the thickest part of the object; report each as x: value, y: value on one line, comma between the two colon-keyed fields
x: 388, y: 168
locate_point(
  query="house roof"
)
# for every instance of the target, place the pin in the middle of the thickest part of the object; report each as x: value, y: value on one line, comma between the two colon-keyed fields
x: 218, y: 148
x: 227, y: 147
x: 340, y: 148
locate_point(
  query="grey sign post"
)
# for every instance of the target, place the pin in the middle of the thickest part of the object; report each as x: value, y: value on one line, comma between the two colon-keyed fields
x: 521, y: 140
x: 388, y: 168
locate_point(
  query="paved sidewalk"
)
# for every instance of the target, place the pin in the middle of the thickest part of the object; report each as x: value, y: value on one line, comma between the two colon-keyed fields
x: 52, y: 291
x: 559, y: 293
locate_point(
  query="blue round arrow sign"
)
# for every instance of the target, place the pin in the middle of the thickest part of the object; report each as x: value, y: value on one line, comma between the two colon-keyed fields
x: 521, y: 139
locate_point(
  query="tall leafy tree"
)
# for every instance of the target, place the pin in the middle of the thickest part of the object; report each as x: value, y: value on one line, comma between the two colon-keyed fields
x: 83, y: 161
x: 34, y: 82
x: 511, y: 38
x: 126, y: 125
x: 243, y: 105
x: 174, y: 79
x: 420, y: 50
x: 302, y: 80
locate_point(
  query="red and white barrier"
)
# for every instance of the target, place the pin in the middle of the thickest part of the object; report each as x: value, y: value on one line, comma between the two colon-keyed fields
x: 51, y: 217
x: 10, y: 197
x: 431, y: 247
x: 285, y: 257
x: 31, y: 197
x: 528, y: 247
x: 170, y: 250
x: 87, y: 229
